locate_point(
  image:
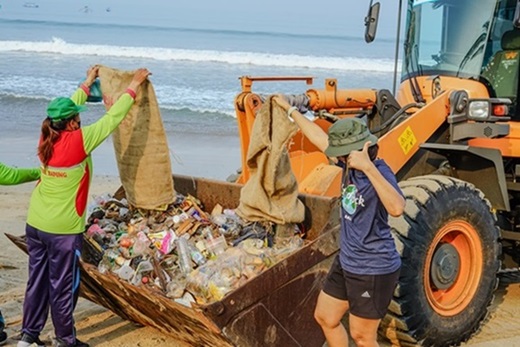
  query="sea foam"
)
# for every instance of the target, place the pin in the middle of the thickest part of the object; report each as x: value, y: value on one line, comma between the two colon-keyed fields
x: 60, y: 46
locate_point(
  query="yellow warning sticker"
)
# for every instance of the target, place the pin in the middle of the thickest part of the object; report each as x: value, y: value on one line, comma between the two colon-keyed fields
x: 407, y: 140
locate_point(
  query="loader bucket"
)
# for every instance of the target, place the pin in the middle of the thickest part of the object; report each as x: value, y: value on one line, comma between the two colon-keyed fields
x: 274, y: 308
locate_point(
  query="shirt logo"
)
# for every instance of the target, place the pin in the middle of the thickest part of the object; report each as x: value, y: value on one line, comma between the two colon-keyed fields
x: 350, y: 201
x: 365, y: 294
x: 51, y: 173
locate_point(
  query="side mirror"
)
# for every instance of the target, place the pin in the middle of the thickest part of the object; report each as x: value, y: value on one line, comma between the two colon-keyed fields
x: 371, y: 22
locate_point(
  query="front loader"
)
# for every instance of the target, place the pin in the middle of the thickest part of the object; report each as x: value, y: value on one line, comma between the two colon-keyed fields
x: 451, y: 134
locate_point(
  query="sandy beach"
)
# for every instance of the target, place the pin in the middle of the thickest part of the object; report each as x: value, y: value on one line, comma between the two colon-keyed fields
x: 101, y: 327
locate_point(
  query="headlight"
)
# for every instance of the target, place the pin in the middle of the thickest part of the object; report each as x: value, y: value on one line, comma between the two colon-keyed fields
x: 488, y: 110
x: 478, y: 110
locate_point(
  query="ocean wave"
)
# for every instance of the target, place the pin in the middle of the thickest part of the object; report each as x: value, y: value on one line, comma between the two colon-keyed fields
x: 211, y: 111
x: 60, y: 46
x: 7, y: 97
x: 167, y: 107
x: 16, y: 87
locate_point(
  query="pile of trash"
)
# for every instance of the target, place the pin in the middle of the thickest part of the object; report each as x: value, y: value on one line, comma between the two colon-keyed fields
x: 185, y: 252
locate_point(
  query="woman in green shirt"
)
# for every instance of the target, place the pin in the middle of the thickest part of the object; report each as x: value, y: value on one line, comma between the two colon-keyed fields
x: 56, y: 216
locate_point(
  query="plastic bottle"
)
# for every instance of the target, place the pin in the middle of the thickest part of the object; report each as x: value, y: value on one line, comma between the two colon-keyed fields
x: 219, y: 219
x: 142, y: 268
x: 141, y: 244
x: 197, y: 257
x: 183, y: 252
x: 126, y: 272
x: 111, y: 256
x: 104, y: 265
x: 215, y: 245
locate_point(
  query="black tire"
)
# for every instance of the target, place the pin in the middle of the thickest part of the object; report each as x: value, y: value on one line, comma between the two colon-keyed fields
x: 436, y: 208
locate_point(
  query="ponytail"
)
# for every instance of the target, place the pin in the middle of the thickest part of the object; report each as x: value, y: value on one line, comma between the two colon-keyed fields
x: 50, y: 134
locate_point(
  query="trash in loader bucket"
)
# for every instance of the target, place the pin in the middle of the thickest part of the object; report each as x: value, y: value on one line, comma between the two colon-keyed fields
x: 210, y: 278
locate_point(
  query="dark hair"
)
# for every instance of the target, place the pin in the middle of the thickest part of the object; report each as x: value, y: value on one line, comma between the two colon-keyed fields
x: 51, y: 131
x: 372, y: 151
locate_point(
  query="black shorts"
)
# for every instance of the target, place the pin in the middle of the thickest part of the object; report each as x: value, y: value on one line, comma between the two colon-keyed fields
x: 368, y: 295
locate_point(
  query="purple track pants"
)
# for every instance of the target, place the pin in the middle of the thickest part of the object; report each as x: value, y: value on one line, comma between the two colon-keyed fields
x: 53, y: 281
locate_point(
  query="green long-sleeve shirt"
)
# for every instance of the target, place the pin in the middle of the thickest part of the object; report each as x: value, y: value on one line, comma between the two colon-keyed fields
x: 58, y: 203
x: 10, y: 175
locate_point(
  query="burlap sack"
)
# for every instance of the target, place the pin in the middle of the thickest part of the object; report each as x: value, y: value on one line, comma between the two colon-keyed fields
x: 140, y: 144
x: 272, y: 191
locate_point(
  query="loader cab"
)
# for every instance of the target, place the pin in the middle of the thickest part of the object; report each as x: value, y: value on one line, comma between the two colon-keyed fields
x: 464, y: 39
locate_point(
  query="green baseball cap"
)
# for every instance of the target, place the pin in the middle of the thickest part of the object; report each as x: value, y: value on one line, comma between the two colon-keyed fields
x: 62, y: 108
x: 347, y: 135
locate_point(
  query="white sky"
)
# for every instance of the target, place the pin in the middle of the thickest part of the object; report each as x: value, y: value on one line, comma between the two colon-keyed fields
x: 326, y: 17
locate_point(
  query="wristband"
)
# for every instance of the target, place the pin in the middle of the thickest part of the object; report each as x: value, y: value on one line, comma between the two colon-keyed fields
x: 85, y: 88
x: 290, y: 111
x: 131, y: 93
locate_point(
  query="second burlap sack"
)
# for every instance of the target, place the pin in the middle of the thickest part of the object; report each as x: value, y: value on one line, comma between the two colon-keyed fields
x: 271, y: 193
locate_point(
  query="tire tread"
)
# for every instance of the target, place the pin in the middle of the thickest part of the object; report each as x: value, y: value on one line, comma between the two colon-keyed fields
x: 405, y: 321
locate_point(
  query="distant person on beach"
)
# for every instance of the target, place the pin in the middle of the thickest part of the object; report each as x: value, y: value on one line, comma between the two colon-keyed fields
x: 56, y: 216
x: 11, y: 176
x: 364, y: 275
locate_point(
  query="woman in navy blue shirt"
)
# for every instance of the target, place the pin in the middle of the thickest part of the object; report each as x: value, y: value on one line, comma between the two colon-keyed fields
x: 365, y: 272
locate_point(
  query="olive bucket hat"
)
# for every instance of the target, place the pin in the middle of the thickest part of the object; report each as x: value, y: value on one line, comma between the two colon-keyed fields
x: 347, y: 135
x: 62, y: 108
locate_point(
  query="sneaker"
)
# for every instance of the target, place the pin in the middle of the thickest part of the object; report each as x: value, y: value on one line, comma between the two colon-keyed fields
x: 3, y: 338
x: 28, y: 340
x: 60, y: 343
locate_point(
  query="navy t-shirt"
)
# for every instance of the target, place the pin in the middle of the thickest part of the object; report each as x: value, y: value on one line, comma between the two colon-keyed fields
x: 367, y: 246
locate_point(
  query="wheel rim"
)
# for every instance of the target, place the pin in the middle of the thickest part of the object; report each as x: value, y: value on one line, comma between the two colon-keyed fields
x: 456, y: 240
